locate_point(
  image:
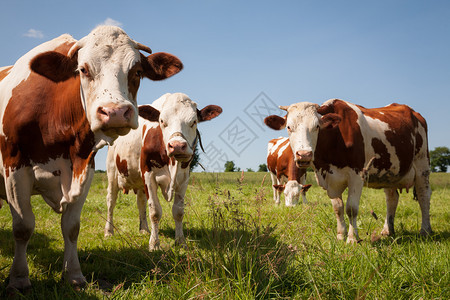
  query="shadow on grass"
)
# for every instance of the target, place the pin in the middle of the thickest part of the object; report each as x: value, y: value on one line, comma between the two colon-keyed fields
x: 239, y: 251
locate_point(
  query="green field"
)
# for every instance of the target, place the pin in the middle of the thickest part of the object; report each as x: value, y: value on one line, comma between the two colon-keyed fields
x: 242, y: 246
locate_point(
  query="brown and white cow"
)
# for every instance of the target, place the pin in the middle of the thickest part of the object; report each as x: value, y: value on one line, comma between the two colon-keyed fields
x: 158, y: 153
x: 347, y: 144
x: 59, y: 104
x: 286, y: 176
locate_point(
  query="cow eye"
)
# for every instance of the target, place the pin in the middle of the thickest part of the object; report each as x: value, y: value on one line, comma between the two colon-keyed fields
x: 85, y: 71
x: 193, y: 123
x: 139, y: 73
x: 289, y: 128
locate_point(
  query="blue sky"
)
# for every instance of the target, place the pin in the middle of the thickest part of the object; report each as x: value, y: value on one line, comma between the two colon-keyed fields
x: 250, y: 56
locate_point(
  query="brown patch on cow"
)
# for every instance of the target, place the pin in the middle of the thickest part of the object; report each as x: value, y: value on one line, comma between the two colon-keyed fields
x: 54, y: 125
x: 134, y: 79
x: 342, y: 146
x: 4, y: 72
x: 122, y: 165
x: 153, y: 152
x: 284, y: 164
x: 383, y: 162
x: 402, y: 124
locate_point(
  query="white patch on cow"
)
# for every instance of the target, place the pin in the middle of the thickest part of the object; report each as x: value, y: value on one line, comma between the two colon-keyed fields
x: 283, y: 148
x: 292, y: 192
x: 303, y: 126
x: 273, y: 147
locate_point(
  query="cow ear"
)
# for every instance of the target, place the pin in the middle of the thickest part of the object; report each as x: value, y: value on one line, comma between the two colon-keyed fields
x: 275, y: 122
x: 208, y: 112
x: 330, y: 121
x: 149, y: 113
x: 279, y: 187
x: 306, y: 187
x: 54, y: 66
x: 161, y: 65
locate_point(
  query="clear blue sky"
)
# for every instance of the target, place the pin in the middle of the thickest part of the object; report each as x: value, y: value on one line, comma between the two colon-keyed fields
x: 248, y: 56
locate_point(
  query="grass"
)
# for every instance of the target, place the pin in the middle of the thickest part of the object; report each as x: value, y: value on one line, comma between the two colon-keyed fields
x: 242, y: 246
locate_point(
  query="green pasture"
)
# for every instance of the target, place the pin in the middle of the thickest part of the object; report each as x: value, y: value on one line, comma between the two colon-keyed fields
x: 240, y: 245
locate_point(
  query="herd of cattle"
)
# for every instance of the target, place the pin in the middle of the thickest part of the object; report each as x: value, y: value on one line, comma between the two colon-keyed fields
x: 65, y: 99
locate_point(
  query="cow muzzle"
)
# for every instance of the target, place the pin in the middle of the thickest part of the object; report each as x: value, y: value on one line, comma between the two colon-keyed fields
x: 178, y: 148
x: 117, y: 119
x: 303, y: 158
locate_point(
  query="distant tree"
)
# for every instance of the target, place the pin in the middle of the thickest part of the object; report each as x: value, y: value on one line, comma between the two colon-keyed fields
x: 195, y: 159
x: 440, y: 159
x: 249, y: 170
x: 262, y: 168
x: 229, y: 166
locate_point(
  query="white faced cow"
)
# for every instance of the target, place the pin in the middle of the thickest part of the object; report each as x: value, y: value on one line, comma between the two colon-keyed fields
x: 158, y: 153
x: 59, y: 104
x: 347, y: 144
x: 286, y: 176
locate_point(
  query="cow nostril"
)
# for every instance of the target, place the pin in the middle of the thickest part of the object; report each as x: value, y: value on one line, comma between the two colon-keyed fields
x: 101, y: 111
x: 128, y: 114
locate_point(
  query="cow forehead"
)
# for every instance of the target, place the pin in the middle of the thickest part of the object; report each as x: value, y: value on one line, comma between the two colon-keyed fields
x: 108, y: 44
x: 302, y: 112
x: 178, y: 106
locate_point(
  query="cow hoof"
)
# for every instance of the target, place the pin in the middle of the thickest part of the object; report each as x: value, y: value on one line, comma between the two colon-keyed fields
x: 18, y: 286
x: 385, y: 232
x: 426, y: 232
x: 144, y: 231
x: 154, y: 247
x: 77, y: 282
x: 340, y: 236
x: 352, y: 240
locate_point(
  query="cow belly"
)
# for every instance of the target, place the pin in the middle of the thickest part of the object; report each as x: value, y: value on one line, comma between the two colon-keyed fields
x: 388, y: 179
x: 132, y: 181
x: 53, y: 181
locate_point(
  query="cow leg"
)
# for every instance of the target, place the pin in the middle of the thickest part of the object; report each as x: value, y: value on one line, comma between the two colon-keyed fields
x: 276, y: 195
x: 23, y: 227
x: 142, y: 207
x: 391, y: 207
x: 303, y: 193
x: 70, y: 226
x: 178, y: 208
x: 111, y: 200
x: 423, y: 192
x: 338, y: 207
x: 155, y: 213
x: 355, y: 187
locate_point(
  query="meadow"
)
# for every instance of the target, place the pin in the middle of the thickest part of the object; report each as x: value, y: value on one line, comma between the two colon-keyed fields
x: 240, y: 245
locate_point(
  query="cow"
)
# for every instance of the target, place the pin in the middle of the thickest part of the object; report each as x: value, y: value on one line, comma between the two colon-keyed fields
x: 157, y: 154
x: 60, y: 103
x: 285, y: 175
x: 351, y: 146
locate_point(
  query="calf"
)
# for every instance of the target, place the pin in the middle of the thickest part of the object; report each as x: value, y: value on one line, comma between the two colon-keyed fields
x: 348, y: 144
x: 281, y: 164
x: 59, y: 104
x: 157, y: 154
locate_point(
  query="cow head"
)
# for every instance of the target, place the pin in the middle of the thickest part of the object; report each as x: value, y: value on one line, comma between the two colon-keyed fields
x: 303, y: 122
x: 178, y: 119
x: 110, y: 66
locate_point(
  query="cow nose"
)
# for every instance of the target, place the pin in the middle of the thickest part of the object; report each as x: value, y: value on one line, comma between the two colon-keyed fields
x: 113, y: 116
x: 303, y: 155
x: 177, y: 147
